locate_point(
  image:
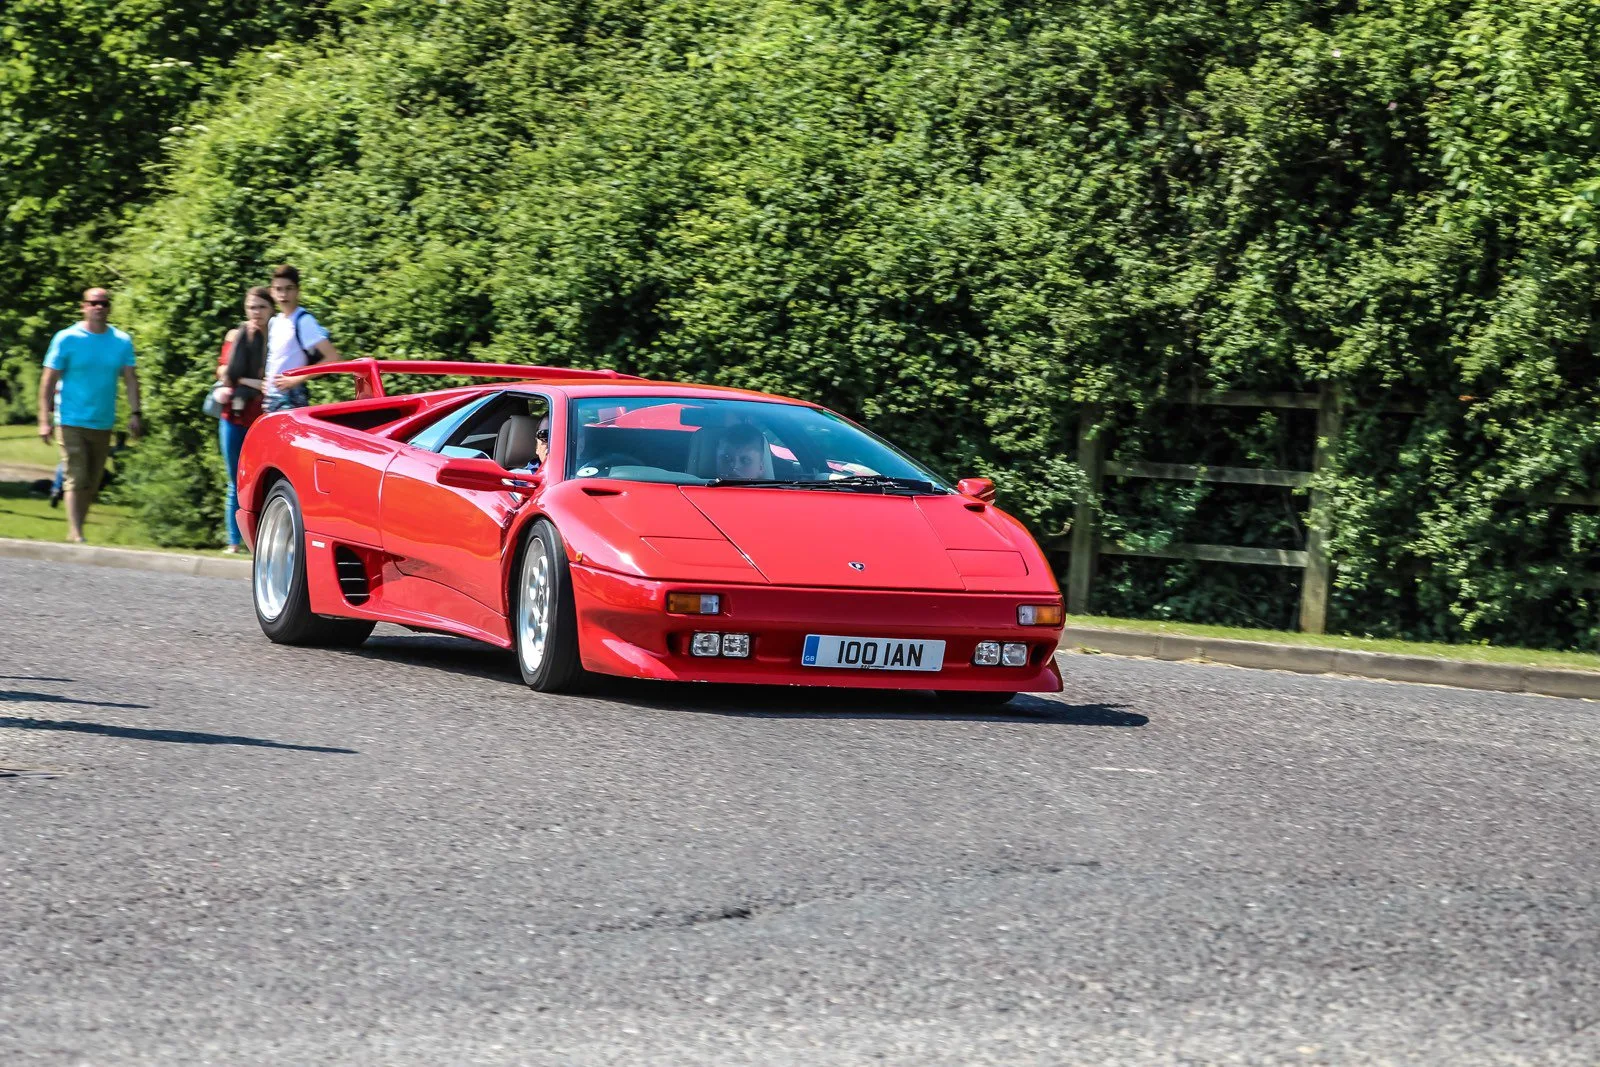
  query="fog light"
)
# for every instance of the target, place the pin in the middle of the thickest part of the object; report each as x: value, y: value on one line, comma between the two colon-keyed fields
x: 987, y: 654
x: 736, y: 645
x: 1015, y: 654
x: 704, y: 644
x: 695, y: 604
x: 1040, y: 615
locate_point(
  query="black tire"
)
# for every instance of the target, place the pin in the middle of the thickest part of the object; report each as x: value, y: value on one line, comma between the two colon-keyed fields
x: 974, y: 698
x: 558, y: 667
x: 294, y: 623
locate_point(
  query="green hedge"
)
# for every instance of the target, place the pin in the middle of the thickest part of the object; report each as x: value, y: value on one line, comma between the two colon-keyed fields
x: 962, y: 221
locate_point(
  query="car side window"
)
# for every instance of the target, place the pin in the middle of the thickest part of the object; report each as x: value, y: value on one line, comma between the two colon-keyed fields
x: 475, y: 436
x: 432, y: 438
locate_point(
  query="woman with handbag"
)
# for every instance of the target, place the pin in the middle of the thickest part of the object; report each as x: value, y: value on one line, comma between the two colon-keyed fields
x: 237, y: 396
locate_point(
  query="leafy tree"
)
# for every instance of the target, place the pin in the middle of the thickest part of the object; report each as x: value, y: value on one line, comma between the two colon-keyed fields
x: 964, y: 220
x: 91, y: 93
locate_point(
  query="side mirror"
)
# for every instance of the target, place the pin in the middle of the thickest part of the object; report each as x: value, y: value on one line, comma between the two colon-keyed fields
x: 486, y: 475
x: 981, y: 489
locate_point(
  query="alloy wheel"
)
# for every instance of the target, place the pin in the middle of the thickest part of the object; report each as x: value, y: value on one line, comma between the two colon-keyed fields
x: 275, y: 558
x: 533, y: 620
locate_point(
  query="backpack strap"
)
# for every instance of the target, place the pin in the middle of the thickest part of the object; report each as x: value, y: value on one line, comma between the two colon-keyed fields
x: 258, y: 367
x: 311, y: 357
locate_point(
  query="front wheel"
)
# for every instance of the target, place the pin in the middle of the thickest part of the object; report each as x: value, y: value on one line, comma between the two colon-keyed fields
x: 278, y: 580
x: 545, y: 616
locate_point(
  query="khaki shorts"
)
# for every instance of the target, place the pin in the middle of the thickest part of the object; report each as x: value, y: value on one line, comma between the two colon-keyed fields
x: 84, y: 452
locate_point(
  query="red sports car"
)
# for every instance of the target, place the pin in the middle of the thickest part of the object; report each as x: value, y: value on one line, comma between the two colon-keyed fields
x: 598, y: 523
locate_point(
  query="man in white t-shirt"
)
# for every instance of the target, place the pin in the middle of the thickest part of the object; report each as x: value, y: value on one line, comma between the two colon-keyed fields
x: 294, y: 338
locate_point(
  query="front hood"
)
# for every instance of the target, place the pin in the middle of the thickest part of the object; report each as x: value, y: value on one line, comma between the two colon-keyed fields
x: 863, y: 541
x: 643, y: 529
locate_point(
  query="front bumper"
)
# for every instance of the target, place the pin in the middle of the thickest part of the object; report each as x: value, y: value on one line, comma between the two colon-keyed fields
x: 247, y: 526
x: 625, y: 630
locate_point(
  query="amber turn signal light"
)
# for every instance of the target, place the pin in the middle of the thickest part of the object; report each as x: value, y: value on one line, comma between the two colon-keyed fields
x: 1040, y: 615
x: 694, y: 603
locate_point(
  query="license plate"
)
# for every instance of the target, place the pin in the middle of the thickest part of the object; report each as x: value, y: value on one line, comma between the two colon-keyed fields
x: 872, y: 653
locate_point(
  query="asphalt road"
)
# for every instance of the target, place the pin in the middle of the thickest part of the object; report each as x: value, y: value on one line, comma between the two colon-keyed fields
x: 222, y: 851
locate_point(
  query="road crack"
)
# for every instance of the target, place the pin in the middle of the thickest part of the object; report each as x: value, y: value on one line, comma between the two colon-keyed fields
x: 746, y: 911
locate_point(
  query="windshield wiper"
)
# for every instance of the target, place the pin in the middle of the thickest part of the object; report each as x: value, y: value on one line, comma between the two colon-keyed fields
x: 880, y: 482
x: 884, y: 482
x: 767, y: 483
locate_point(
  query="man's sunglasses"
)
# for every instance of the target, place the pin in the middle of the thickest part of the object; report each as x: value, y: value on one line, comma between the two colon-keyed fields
x: 97, y: 303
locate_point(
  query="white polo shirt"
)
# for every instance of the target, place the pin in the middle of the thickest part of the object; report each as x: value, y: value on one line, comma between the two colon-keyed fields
x: 288, y: 341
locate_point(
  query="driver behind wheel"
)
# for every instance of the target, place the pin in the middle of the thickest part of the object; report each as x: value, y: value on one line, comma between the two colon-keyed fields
x: 739, y: 453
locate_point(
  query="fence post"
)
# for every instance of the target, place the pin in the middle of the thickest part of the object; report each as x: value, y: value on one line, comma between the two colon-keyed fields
x: 1314, y: 589
x: 1085, y: 533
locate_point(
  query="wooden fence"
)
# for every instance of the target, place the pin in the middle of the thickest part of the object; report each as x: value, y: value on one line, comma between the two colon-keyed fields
x: 1330, y: 403
x: 1087, y: 545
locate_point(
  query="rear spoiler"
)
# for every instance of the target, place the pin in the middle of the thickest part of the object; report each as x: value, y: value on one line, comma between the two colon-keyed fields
x: 369, y: 372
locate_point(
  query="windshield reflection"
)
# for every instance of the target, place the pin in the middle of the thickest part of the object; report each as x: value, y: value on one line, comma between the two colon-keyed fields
x: 692, y: 441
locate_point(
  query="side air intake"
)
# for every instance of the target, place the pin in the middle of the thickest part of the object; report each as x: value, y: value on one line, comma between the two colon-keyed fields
x: 352, y: 576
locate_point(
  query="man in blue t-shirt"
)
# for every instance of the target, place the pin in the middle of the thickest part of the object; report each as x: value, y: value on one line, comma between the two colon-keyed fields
x: 85, y: 361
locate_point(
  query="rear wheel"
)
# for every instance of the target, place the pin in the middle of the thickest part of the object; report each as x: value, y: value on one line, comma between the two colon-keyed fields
x: 278, y: 580
x: 545, y: 623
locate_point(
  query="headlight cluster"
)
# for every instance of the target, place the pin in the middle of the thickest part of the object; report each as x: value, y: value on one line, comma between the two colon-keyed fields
x: 734, y: 646
x: 998, y: 654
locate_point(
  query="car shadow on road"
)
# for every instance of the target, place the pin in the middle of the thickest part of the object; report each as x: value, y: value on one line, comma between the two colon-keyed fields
x: 22, y: 696
x: 462, y: 656
x: 456, y: 654
x: 769, y: 702
x: 177, y: 737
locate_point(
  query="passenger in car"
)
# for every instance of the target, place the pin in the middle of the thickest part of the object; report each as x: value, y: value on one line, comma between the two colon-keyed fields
x: 541, y: 446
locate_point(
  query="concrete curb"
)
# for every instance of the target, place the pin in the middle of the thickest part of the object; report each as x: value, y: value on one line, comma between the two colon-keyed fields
x: 126, y: 558
x: 1308, y: 659
x: 1304, y: 659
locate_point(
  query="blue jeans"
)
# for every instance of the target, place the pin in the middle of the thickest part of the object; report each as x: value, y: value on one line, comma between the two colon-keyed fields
x: 294, y: 397
x: 232, y: 438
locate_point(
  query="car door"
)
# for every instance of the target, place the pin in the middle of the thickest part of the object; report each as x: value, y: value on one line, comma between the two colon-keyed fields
x: 341, y: 503
x: 447, y: 541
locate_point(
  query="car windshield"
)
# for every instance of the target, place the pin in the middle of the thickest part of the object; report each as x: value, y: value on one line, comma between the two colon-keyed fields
x: 693, y: 441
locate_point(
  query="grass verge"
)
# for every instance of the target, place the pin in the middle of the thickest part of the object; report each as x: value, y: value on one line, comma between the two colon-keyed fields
x: 26, y: 515
x: 29, y: 516
x: 20, y: 446
x: 1524, y: 657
